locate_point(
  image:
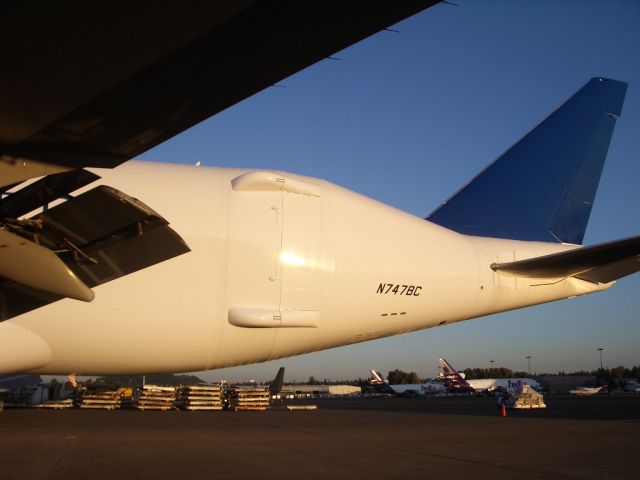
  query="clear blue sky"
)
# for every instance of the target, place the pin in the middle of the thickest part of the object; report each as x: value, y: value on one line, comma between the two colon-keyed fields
x: 408, y: 117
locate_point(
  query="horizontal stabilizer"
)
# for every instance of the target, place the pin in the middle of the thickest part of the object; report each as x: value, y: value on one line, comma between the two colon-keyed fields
x: 543, y: 187
x: 601, y: 263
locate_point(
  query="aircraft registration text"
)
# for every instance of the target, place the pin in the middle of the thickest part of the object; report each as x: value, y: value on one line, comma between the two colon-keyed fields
x: 397, y: 289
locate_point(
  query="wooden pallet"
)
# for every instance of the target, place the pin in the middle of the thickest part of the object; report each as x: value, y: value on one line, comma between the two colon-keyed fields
x: 201, y: 407
x: 155, y: 401
x: 155, y: 397
x: 162, y: 408
x: 201, y: 397
x: 250, y: 398
x: 99, y: 398
x: 158, y: 388
x: 100, y: 407
x: 302, y: 407
x: 61, y: 405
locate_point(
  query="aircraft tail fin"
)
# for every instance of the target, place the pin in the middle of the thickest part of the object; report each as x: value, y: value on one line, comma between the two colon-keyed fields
x: 375, y: 378
x: 277, y: 384
x: 543, y: 187
x: 601, y: 263
x: 448, y: 372
x: 453, y: 377
x: 380, y: 384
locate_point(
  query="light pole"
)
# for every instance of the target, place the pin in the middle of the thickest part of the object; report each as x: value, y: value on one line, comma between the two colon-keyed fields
x: 491, y: 362
x: 528, y: 357
x: 600, y: 350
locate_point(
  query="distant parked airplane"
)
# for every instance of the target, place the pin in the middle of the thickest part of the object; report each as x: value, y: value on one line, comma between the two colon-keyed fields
x: 276, y: 386
x: 587, y: 391
x: 406, y: 390
x: 451, y: 375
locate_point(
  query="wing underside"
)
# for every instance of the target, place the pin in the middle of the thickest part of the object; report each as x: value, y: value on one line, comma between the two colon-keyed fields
x: 93, y: 85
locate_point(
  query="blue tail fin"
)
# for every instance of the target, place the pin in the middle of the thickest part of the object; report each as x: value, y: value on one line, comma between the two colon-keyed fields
x: 278, y: 382
x: 543, y: 187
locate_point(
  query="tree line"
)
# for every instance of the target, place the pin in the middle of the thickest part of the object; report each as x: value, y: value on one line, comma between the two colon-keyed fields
x: 394, y: 377
x: 617, y: 373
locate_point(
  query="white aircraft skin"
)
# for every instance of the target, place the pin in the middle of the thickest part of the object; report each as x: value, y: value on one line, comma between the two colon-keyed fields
x: 280, y: 265
x: 449, y: 373
x: 428, y: 388
x: 506, y: 383
x: 418, y: 388
x: 585, y: 391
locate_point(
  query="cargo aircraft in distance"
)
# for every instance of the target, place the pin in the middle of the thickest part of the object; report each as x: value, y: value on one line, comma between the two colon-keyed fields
x: 459, y: 383
x: 405, y: 389
x: 103, y: 272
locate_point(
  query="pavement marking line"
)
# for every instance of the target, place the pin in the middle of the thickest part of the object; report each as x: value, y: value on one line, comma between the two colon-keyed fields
x: 70, y: 439
x: 62, y: 455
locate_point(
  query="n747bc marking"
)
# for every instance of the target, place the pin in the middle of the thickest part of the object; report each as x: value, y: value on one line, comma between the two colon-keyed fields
x: 397, y: 289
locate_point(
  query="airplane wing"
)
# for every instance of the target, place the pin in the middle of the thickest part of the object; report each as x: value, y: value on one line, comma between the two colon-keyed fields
x: 85, y: 84
x: 89, y: 85
x: 601, y: 263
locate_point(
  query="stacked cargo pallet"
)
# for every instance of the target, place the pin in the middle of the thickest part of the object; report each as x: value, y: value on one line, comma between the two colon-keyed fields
x: 527, y: 397
x: 250, y: 398
x: 99, y: 397
x: 300, y: 408
x: 56, y: 404
x: 201, y: 397
x: 155, y: 397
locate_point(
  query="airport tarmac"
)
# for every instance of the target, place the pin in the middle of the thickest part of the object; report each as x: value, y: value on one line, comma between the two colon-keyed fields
x: 594, y: 437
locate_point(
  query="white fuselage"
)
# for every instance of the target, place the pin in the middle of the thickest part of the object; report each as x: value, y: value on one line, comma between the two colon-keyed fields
x: 585, y: 391
x: 506, y: 383
x: 280, y: 265
x: 429, y: 388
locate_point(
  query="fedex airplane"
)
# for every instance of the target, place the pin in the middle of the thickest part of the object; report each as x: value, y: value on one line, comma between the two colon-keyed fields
x: 406, y: 390
x: 243, y: 266
x: 460, y: 384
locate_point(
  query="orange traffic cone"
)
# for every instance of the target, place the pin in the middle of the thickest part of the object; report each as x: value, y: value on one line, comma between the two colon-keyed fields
x: 504, y: 410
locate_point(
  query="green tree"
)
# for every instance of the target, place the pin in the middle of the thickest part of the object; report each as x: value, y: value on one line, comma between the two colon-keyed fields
x: 398, y: 377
